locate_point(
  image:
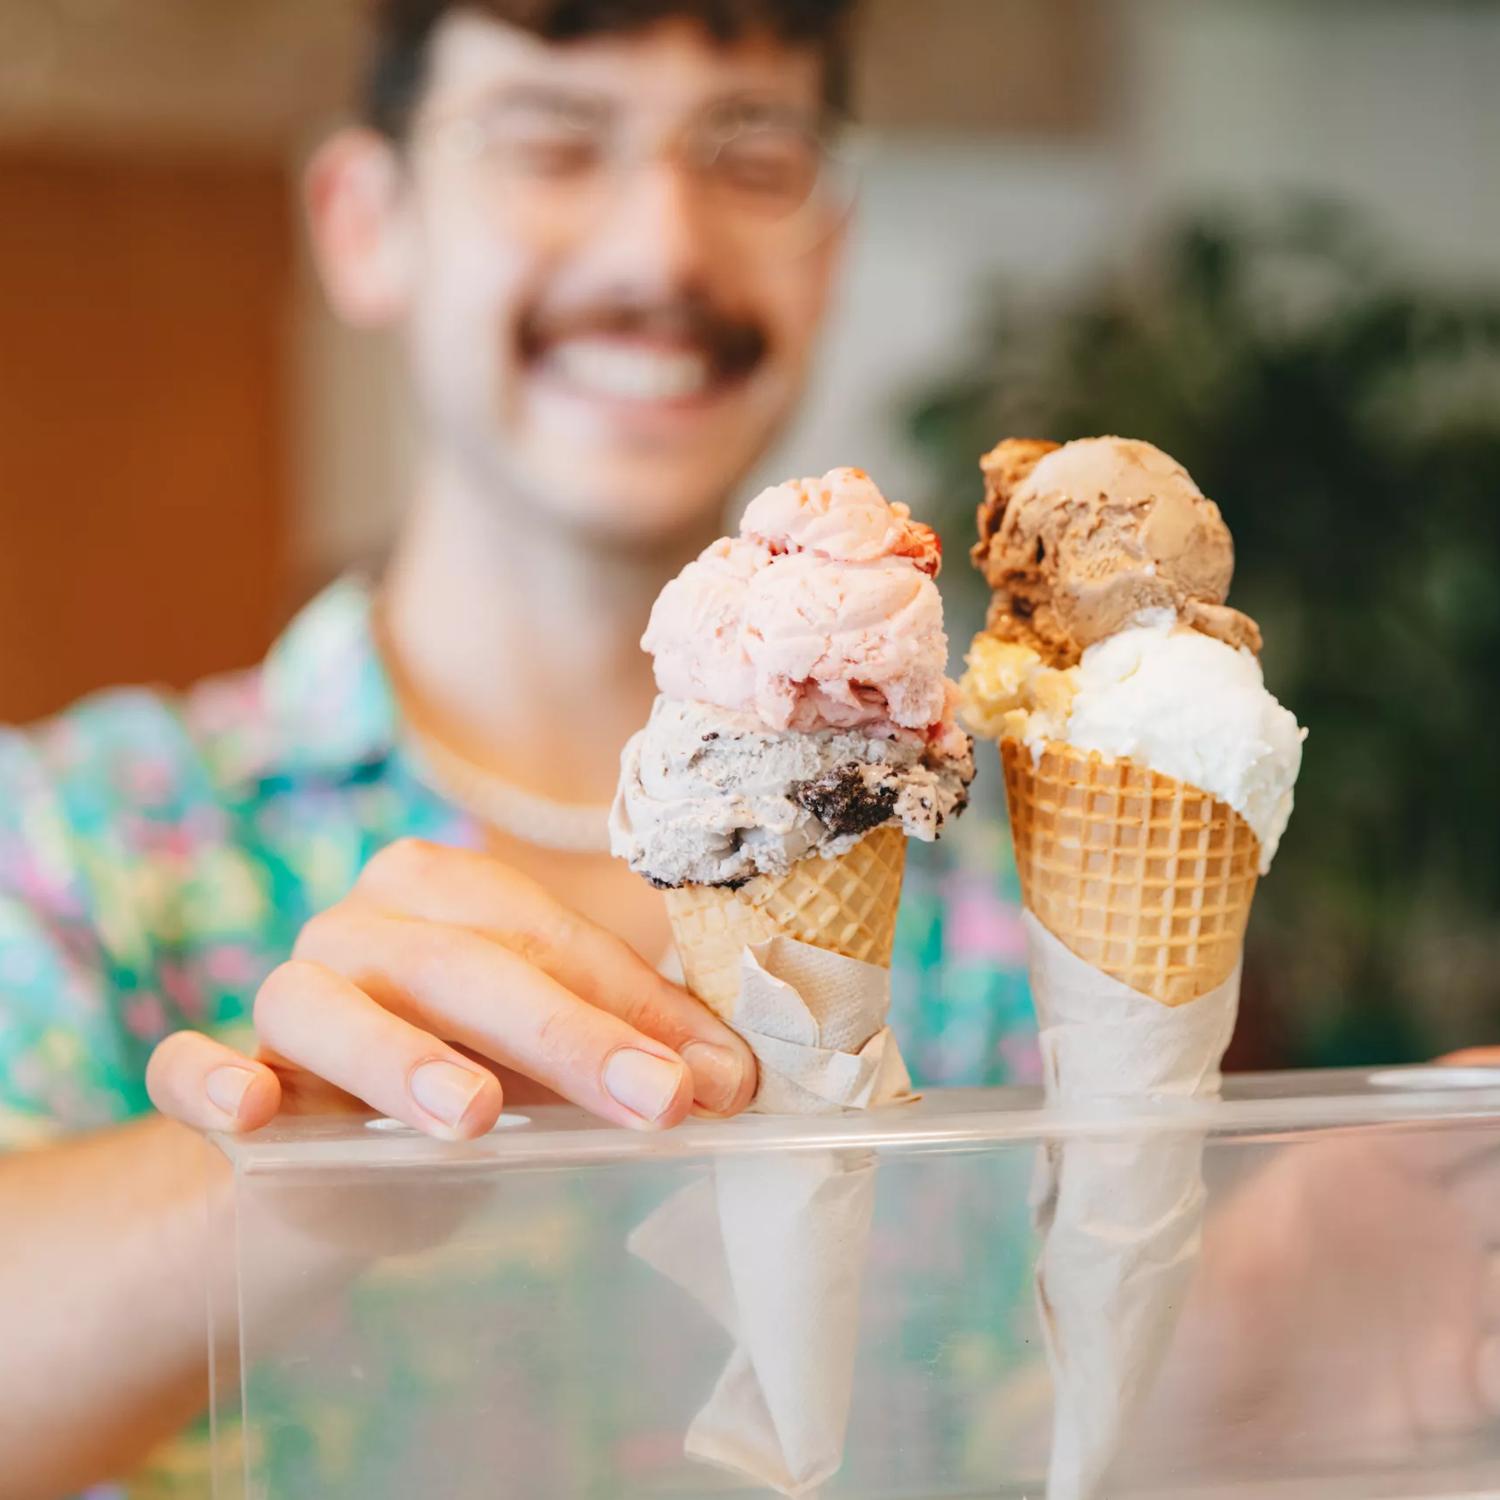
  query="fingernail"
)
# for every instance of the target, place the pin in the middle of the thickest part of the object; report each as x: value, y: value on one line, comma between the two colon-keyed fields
x: 226, y: 1087
x: 718, y: 1074
x: 645, y: 1084
x: 445, y: 1090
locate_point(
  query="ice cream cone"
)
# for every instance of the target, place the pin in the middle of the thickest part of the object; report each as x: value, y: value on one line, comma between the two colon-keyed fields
x: 775, y: 1248
x: 1138, y: 888
x: 1149, y: 775
x: 804, y: 729
x: 846, y: 905
x: 1140, y: 875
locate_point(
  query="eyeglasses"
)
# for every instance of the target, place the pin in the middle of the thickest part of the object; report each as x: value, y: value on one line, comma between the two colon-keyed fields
x: 553, y: 165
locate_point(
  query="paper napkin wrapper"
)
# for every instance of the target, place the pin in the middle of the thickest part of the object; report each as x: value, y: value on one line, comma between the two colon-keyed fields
x: 773, y: 1246
x: 816, y: 1022
x: 1120, y: 1217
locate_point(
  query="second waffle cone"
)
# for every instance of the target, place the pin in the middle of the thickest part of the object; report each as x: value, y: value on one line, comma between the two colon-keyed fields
x: 1140, y: 875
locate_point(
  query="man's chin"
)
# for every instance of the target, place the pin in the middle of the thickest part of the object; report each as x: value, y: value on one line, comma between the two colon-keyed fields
x: 652, y: 474
x: 623, y: 512
x: 637, y: 493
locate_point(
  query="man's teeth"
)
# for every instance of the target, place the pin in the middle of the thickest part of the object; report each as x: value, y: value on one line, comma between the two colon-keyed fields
x: 621, y: 372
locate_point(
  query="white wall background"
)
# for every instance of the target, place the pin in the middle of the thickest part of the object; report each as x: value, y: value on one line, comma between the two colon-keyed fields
x: 1393, y: 105
x: 938, y: 222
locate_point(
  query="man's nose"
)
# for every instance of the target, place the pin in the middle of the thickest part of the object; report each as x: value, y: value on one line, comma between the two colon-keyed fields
x: 659, y: 233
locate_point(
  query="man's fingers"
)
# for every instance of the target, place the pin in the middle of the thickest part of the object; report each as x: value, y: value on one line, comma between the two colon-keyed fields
x: 203, y: 1083
x: 1487, y: 1374
x: 1455, y: 1153
x: 1475, y: 1191
x: 319, y: 1021
x: 1473, y: 1057
x: 461, y: 986
x: 459, y: 888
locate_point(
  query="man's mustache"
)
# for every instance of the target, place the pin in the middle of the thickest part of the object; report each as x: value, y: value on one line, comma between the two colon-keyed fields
x: 734, y: 344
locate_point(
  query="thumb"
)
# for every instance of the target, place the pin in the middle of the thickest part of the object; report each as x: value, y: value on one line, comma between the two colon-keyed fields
x: 202, y: 1083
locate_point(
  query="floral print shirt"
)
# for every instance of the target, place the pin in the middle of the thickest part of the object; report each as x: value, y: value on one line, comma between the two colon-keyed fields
x: 159, y: 854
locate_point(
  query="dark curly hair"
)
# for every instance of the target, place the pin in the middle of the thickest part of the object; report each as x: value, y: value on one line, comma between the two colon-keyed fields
x: 403, y: 31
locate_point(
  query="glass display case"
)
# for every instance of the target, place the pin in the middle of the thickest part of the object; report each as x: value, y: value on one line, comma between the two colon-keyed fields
x: 848, y: 1306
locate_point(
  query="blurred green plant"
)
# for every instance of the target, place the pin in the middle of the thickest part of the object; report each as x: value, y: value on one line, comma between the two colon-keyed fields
x: 1347, y: 420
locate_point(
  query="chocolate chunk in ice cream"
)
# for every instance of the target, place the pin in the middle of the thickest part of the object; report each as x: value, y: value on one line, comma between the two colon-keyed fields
x: 847, y: 800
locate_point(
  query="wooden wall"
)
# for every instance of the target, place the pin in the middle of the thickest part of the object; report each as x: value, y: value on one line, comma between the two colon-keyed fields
x: 144, y: 466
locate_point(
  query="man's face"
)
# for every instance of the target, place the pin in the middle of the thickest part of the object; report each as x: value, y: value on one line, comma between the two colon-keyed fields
x: 612, y: 295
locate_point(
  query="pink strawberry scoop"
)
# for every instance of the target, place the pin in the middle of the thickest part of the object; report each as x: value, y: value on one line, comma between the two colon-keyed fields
x: 821, y: 614
x: 803, y: 696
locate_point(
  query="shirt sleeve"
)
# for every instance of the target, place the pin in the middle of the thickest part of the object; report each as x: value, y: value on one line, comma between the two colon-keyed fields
x: 66, y: 1062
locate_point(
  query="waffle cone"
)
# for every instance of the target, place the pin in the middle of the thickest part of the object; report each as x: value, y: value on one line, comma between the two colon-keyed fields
x: 846, y: 904
x: 1144, y: 877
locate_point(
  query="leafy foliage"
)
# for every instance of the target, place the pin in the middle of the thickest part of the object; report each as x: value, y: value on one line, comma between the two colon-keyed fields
x: 1347, y: 421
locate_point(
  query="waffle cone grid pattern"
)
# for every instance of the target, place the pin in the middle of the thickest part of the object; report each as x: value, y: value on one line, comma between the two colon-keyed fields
x: 846, y: 905
x: 1142, y: 876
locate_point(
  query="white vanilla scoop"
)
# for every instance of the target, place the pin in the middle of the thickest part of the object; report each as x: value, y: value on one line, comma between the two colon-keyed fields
x: 1167, y: 697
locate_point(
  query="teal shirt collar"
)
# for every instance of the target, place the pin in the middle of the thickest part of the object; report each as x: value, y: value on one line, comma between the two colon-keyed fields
x: 327, y: 705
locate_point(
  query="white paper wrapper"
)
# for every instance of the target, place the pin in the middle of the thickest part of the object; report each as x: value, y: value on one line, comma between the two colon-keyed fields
x: 774, y: 1247
x: 816, y: 1023
x: 1121, y: 1220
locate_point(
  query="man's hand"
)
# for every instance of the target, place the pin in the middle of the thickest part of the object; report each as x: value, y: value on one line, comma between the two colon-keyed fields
x: 444, y: 982
x: 1347, y: 1306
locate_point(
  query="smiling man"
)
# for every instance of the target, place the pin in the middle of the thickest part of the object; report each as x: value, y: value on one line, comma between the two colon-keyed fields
x: 607, y: 233
x: 613, y: 258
